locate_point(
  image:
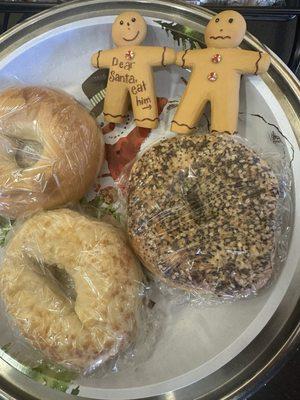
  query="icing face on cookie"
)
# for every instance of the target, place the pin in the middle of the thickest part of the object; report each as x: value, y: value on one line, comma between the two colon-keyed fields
x: 129, y: 29
x: 225, y: 30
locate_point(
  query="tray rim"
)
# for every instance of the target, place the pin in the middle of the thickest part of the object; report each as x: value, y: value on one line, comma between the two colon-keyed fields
x: 278, y: 78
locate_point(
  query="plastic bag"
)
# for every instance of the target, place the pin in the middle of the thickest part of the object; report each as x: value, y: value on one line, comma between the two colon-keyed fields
x: 73, y: 288
x: 204, y: 214
x: 50, y: 150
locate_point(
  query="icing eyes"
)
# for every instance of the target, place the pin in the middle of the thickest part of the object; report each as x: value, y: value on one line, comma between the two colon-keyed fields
x: 133, y: 19
x: 230, y: 20
x: 217, y: 20
x: 121, y: 22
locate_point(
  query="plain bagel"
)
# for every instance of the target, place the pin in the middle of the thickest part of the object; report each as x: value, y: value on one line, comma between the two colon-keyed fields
x: 68, y: 148
x: 98, y: 316
x: 202, y: 213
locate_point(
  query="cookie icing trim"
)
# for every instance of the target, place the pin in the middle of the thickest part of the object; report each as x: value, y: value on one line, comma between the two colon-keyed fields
x: 115, y: 116
x: 230, y: 133
x: 163, y: 57
x: 98, y: 56
x: 144, y: 119
x: 183, y: 60
x: 258, y: 60
x: 190, y: 127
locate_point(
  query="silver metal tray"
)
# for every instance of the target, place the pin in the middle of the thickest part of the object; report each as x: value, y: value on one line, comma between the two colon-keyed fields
x: 51, y: 48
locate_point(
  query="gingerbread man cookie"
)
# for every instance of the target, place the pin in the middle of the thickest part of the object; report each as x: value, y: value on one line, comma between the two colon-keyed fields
x: 130, y: 71
x: 216, y: 74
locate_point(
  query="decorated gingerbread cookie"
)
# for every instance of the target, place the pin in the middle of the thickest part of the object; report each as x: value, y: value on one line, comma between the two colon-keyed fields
x: 216, y: 74
x: 130, y: 71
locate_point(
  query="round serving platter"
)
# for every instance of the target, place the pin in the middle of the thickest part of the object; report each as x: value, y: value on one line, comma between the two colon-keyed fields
x: 203, y: 352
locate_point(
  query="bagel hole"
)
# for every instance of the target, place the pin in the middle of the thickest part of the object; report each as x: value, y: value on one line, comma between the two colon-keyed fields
x: 64, y: 281
x: 26, y: 152
x: 195, y: 204
x: 58, y: 280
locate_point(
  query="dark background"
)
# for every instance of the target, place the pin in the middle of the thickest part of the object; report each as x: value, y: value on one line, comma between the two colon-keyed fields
x: 285, y: 384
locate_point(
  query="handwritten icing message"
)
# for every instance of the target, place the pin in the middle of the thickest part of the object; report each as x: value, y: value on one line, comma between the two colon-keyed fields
x: 137, y: 88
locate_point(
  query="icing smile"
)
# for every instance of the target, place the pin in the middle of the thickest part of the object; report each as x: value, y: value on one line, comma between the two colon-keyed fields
x: 220, y: 37
x: 130, y: 40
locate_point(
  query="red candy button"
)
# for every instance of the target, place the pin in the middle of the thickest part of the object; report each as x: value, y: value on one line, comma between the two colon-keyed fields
x: 129, y: 55
x: 212, y: 76
x: 216, y: 58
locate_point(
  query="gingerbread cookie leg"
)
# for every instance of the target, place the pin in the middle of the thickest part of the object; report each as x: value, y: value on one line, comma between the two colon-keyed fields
x: 189, y: 111
x: 224, y: 113
x: 144, y: 104
x: 116, y: 103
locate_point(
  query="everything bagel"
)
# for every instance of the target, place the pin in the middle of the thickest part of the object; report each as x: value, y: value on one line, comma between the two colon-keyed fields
x: 201, y: 214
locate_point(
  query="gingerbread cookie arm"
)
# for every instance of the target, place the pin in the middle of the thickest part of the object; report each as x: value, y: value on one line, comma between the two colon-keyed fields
x: 252, y: 62
x: 188, y: 58
x: 102, y: 58
x: 264, y: 63
x: 160, y: 56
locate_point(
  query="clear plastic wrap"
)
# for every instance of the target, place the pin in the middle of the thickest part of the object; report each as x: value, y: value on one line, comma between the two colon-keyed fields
x: 123, y: 145
x: 73, y: 288
x: 50, y: 150
x: 205, y: 216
